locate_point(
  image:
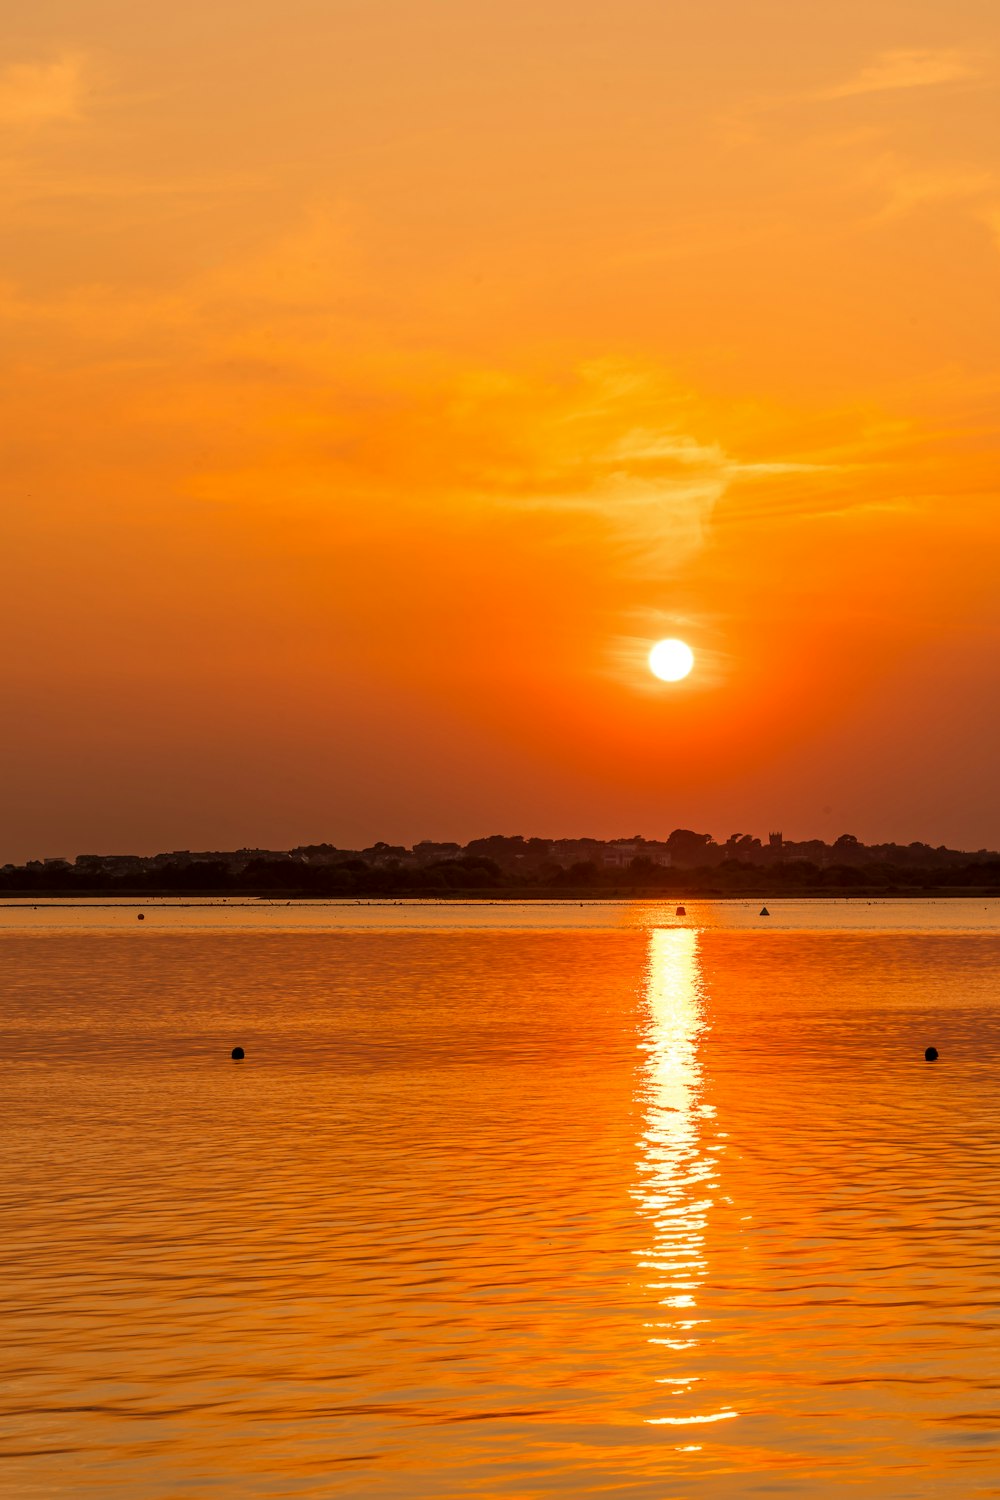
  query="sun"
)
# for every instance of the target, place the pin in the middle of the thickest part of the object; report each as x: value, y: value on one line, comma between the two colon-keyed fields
x: 671, y: 660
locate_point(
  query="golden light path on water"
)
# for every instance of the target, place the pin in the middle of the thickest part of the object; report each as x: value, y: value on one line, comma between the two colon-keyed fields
x: 677, y: 1171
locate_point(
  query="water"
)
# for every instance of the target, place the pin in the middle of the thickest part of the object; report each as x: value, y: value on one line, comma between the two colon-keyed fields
x: 504, y: 1201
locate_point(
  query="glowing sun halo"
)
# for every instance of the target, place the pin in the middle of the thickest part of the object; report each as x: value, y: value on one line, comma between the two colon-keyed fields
x: 671, y: 660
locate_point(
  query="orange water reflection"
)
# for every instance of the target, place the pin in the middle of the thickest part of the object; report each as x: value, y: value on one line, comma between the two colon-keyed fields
x: 448, y: 1233
x: 678, y: 1176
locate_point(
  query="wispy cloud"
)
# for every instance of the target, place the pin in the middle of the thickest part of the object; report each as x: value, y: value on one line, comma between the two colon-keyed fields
x: 654, y: 488
x: 656, y: 525
x: 298, y: 400
x: 41, y: 93
x: 911, y: 188
x: 906, y: 69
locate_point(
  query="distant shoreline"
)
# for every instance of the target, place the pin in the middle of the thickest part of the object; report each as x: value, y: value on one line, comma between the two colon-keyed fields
x: 613, y: 896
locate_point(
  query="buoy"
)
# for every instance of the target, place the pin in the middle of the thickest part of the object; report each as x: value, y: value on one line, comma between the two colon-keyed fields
x: 237, y: 1054
x: 141, y: 917
x: 930, y: 1054
x: 681, y: 911
x: 764, y: 912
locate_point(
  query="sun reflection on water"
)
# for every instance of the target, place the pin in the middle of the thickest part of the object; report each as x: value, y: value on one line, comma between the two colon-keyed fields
x: 677, y: 1172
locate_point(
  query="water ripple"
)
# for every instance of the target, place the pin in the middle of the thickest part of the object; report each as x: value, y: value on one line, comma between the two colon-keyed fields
x: 499, y: 1213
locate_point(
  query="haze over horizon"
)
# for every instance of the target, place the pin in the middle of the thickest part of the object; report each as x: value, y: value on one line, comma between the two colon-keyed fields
x: 383, y: 381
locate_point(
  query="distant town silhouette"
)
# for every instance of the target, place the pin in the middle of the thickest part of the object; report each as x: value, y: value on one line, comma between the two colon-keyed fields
x: 684, y: 863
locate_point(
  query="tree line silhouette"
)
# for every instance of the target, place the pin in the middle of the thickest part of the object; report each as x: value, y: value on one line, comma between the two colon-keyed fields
x: 479, y: 875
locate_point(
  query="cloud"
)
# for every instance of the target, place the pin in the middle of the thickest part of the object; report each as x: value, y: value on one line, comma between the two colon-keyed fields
x: 652, y: 489
x: 643, y: 490
x: 907, y: 69
x: 907, y: 186
x: 656, y: 525
x: 41, y: 93
x: 273, y: 382
x: 913, y: 189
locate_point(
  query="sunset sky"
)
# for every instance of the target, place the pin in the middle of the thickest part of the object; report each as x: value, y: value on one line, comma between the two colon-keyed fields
x: 382, y: 379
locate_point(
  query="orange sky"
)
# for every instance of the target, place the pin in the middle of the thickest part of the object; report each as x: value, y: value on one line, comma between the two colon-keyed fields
x: 382, y: 379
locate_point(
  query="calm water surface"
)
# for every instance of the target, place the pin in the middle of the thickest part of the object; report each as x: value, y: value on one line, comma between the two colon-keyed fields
x: 504, y: 1201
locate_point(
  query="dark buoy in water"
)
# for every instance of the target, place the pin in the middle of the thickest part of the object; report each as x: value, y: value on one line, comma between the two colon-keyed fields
x: 681, y: 911
x: 237, y: 1054
x: 764, y: 912
x: 930, y: 1054
x: 141, y: 917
